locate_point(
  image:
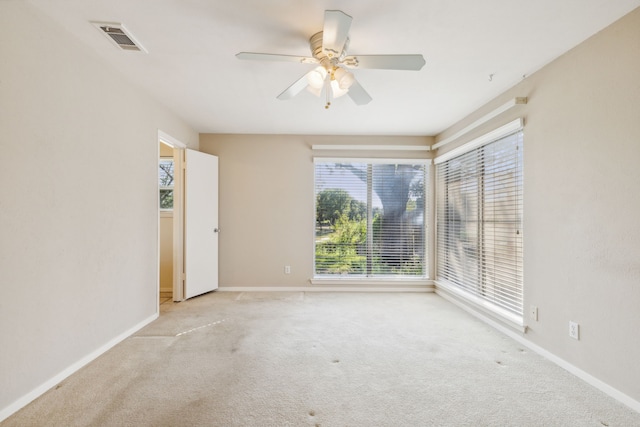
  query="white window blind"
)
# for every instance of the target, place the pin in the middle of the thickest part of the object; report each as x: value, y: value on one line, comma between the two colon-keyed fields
x: 370, y: 218
x: 479, y: 222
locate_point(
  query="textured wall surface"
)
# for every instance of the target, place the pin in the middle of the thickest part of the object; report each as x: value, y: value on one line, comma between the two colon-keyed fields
x: 78, y: 209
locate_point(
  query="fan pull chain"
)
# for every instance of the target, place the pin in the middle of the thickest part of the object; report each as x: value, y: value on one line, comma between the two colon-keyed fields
x: 327, y: 90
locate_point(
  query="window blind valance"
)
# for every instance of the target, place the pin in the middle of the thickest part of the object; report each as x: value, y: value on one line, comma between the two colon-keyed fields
x: 487, y: 138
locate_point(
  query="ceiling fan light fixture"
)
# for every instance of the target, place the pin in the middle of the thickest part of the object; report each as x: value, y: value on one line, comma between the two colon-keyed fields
x: 337, y: 90
x: 316, y: 78
x: 317, y: 91
x: 329, y: 50
x: 344, y: 78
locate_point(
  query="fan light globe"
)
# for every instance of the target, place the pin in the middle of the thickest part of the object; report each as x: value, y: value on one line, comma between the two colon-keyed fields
x: 317, y: 91
x: 316, y: 77
x: 344, y: 78
x: 337, y: 90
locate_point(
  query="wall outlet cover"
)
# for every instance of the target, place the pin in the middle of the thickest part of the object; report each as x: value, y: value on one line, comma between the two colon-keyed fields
x: 574, y: 330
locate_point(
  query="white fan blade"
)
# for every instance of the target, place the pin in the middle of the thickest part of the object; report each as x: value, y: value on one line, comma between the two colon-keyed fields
x: 358, y: 94
x: 275, y: 57
x: 335, y: 32
x: 385, y: 62
x: 297, y: 87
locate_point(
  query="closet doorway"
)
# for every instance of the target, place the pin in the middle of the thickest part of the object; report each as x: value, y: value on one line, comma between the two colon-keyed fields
x: 166, y: 183
x: 188, y: 226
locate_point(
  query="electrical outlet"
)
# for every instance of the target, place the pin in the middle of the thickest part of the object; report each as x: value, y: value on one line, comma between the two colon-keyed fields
x: 533, y: 312
x: 287, y: 269
x: 574, y: 330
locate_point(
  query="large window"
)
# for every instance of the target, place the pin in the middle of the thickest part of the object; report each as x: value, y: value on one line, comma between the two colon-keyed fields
x: 370, y: 218
x: 479, y: 223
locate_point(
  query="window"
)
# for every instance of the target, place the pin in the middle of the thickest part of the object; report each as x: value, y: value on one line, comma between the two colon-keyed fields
x: 166, y: 183
x: 479, y: 223
x: 370, y: 218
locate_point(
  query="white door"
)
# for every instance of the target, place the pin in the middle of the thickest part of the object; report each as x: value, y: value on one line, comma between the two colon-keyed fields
x: 200, y: 223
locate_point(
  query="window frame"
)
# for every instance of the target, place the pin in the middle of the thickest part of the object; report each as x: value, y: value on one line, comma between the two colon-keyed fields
x: 162, y: 188
x: 466, y: 292
x: 379, y: 279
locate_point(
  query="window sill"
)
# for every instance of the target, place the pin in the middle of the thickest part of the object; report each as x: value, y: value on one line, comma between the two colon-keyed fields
x: 478, y: 307
x: 370, y: 281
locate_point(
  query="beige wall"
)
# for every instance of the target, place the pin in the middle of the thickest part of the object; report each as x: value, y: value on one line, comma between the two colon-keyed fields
x: 582, y: 204
x: 78, y: 202
x: 267, y: 203
x: 166, y: 150
x: 166, y: 251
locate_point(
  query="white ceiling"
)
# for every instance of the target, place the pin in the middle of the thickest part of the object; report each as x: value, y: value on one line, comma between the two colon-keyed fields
x: 191, y: 65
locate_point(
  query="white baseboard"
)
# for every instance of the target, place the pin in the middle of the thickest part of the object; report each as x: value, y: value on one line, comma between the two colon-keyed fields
x: 327, y: 288
x: 52, y: 382
x: 585, y: 376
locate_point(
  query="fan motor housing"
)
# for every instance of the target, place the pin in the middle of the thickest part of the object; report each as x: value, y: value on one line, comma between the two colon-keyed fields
x: 315, y: 42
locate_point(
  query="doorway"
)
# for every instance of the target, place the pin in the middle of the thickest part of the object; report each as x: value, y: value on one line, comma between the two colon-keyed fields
x: 187, y: 229
x: 170, y: 219
x: 166, y: 183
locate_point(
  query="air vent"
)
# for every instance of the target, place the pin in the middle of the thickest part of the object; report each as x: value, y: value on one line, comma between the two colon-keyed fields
x: 119, y: 36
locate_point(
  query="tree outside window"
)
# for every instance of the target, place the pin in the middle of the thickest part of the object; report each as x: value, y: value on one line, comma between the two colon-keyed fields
x: 166, y: 183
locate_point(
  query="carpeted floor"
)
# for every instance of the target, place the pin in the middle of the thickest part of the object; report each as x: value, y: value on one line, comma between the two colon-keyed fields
x: 321, y: 359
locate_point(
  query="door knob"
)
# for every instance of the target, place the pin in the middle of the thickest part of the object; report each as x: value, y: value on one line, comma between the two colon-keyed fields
x: 216, y: 230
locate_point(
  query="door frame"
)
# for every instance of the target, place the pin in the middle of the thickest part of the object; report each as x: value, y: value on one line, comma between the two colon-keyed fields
x: 178, y: 216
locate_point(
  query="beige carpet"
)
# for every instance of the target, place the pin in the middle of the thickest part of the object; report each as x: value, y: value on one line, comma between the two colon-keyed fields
x: 321, y: 359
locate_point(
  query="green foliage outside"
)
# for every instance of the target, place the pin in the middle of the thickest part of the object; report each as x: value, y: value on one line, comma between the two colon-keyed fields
x: 332, y: 203
x: 338, y: 253
x: 166, y: 199
x: 342, y: 221
x: 341, y: 239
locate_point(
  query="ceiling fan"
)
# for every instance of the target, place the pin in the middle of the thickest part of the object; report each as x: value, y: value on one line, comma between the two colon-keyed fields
x: 329, y: 50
